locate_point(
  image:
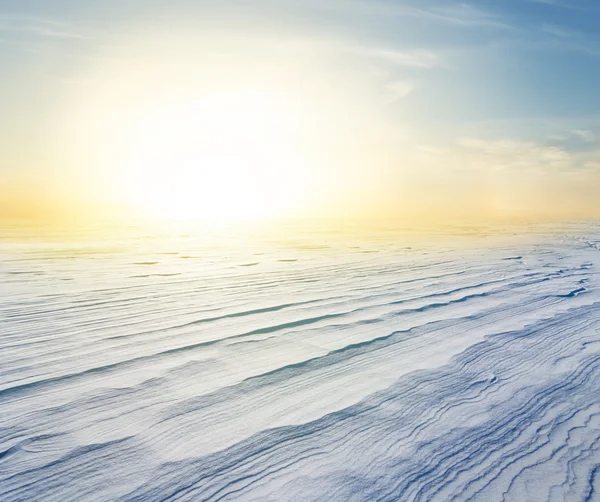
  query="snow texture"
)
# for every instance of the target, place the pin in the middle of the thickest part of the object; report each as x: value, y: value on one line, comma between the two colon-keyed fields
x: 385, y: 367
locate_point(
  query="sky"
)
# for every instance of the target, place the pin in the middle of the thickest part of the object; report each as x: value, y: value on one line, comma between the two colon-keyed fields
x: 409, y: 111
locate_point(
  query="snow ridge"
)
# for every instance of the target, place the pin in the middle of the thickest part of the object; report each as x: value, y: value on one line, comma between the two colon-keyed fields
x: 423, y: 372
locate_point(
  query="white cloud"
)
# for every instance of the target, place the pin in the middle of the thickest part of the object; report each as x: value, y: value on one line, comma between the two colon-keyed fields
x: 585, y: 135
x: 518, y: 155
x: 509, y: 155
x: 399, y: 89
x: 456, y: 13
x: 40, y: 27
x: 507, y: 177
x: 415, y: 58
x: 558, y: 3
x: 560, y: 31
x: 466, y: 15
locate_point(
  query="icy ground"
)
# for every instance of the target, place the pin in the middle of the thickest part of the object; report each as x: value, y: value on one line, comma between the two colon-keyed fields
x: 319, y: 367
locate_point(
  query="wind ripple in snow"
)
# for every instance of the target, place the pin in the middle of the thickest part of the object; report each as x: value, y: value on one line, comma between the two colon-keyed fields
x: 462, y: 373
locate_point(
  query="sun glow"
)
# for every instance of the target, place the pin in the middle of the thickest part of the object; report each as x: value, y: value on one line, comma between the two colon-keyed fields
x: 224, y: 156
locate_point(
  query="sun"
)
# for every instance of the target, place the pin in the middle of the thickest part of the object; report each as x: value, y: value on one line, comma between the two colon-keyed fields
x: 223, y: 156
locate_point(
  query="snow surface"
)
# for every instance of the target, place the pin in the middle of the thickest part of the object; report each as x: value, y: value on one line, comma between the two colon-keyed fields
x: 318, y: 367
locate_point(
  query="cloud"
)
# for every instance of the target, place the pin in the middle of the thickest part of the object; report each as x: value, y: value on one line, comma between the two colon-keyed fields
x: 579, y: 135
x: 514, y: 155
x: 415, y: 58
x: 457, y: 13
x: 560, y: 31
x: 558, y: 3
x: 465, y: 15
x: 585, y: 135
x: 506, y: 178
x: 40, y: 27
x: 519, y: 155
x: 399, y: 89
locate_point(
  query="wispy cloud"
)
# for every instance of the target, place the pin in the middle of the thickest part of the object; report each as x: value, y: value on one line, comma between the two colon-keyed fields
x: 518, y: 155
x: 415, y: 58
x: 514, y: 155
x: 558, y: 3
x: 561, y: 31
x: 458, y: 13
x: 399, y: 89
x: 40, y: 27
x: 465, y: 15
x: 509, y: 176
x: 585, y: 135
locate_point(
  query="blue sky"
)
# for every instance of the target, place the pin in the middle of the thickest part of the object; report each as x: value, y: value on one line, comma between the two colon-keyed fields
x: 469, y: 80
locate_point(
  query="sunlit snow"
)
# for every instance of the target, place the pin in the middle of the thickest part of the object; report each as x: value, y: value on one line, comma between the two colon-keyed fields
x: 460, y: 365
